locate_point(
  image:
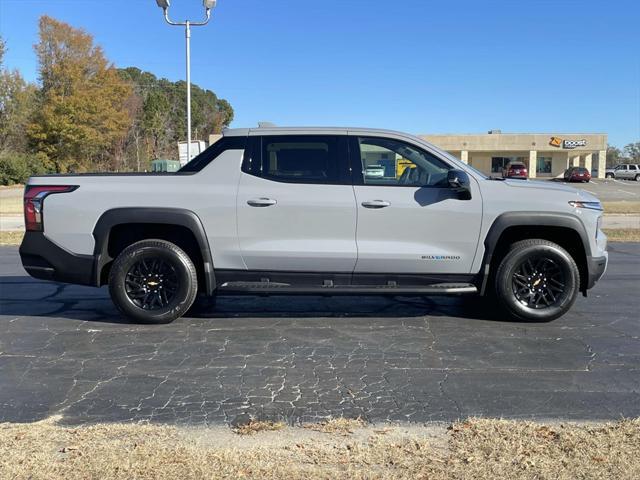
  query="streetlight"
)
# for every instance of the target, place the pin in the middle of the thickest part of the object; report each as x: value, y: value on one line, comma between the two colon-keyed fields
x: 208, y: 5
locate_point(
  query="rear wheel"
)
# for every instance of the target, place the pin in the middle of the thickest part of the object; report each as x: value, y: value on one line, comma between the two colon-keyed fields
x: 537, y: 280
x: 638, y: 178
x: 153, y: 281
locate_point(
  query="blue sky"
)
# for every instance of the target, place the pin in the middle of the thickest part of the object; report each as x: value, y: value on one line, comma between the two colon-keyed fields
x: 415, y: 65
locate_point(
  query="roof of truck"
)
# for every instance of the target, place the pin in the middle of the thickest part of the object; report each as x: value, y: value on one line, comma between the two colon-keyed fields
x: 274, y: 130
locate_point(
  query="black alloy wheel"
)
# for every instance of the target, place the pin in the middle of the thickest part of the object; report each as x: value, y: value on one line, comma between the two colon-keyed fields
x: 537, y: 280
x: 153, y: 281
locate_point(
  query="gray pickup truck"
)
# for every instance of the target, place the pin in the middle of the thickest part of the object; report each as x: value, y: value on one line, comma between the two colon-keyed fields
x: 315, y: 211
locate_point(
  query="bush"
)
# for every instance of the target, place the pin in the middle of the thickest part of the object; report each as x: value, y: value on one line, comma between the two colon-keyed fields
x: 17, y: 168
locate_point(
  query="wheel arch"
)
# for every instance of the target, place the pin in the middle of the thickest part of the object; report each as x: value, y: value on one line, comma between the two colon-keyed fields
x: 180, y: 226
x: 564, y: 229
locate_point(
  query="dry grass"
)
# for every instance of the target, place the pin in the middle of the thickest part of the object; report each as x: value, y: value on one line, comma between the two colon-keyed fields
x: 11, y: 238
x: 255, y: 426
x: 622, y: 234
x: 622, y: 206
x: 340, y: 426
x: 472, y: 449
x: 11, y: 205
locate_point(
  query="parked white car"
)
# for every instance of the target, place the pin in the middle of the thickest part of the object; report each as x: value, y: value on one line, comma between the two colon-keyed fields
x: 374, y: 171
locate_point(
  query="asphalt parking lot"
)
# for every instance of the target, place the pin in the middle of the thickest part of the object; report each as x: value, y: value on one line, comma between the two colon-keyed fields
x: 64, y: 350
x: 610, y: 190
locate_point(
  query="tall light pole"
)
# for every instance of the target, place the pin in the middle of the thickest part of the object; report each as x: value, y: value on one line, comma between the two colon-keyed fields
x: 208, y: 5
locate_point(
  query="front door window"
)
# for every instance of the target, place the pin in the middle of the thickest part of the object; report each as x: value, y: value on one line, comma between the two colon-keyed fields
x: 392, y: 162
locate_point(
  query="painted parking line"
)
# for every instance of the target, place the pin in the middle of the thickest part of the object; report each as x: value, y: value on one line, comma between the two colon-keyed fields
x: 633, y: 194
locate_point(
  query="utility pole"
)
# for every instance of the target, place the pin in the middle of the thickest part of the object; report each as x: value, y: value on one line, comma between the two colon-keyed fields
x: 187, y: 24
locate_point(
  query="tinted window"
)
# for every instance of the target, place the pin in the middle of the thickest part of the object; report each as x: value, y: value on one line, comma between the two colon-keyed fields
x: 211, y: 153
x: 392, y: 162
x: 632, y: 167
x: 298, y: 158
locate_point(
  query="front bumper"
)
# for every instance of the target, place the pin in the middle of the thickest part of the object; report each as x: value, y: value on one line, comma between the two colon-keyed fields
x: 44, y: 259
x: 596, y: 267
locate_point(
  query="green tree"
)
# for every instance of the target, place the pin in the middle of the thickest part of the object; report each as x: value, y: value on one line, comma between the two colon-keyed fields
x: 632, y: 151
x: 614, y: 156
x: 163, y: 114
x: 82, y: 111
x: 16, y: 106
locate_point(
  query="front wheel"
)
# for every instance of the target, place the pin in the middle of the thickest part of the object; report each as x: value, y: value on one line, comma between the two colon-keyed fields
x: 609, y: 175
x: 537, y: 280
x: 153, y: 281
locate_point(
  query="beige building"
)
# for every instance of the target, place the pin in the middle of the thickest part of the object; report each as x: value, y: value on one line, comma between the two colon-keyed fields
x: 545, y: 154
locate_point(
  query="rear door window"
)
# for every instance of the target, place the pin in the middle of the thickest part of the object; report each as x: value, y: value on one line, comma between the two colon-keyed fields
x: 300, y: 159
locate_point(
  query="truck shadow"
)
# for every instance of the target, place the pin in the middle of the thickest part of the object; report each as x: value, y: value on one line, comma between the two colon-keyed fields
x: 22, y: 296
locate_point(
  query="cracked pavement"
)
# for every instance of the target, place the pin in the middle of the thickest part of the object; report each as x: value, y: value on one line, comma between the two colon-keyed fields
x: 65, y: 350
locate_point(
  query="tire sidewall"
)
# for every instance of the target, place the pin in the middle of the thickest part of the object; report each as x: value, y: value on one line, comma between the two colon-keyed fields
x: 185, y: 272
x: 505, y: 290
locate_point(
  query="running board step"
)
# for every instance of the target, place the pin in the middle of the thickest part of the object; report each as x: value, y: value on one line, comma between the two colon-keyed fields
x: 285, y: 288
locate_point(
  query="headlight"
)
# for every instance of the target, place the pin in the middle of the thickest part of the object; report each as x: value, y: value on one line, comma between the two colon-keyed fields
x: 589, y: 205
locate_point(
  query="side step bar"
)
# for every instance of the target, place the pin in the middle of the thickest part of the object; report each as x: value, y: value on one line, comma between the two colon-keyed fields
x: 287, y: 289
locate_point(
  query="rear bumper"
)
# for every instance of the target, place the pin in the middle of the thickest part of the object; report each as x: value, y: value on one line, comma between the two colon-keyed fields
x: 596, y: 266
x: 44, y: 259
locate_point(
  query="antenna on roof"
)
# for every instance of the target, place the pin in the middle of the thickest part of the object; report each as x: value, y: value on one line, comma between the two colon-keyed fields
x: 266, y: 125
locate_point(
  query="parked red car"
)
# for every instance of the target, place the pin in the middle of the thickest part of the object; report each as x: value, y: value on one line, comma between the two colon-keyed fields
x: 515, y: 170
x: 577, y: 174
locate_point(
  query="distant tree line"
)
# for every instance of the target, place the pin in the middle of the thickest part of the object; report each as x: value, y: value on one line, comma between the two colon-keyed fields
x: 86, y: 115
x: 630, y: 154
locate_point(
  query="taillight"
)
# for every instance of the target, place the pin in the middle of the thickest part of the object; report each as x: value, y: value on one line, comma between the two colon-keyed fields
x: 34, y: 196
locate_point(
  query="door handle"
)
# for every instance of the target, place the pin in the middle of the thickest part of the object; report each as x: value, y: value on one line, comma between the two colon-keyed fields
x: 376, y: 204
x: 261, y: 202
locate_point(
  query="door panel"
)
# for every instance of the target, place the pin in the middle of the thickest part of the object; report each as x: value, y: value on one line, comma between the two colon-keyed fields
x: 308, y: 228
x: 423, y: 230
x: 295, y: 205
x: 405, y: 227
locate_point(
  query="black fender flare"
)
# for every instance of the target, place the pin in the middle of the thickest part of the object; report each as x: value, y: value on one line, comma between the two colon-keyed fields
x: 159, y: 215
x: 533, y: 219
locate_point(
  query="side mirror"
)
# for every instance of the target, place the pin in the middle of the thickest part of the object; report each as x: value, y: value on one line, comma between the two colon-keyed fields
x: 459, y: 182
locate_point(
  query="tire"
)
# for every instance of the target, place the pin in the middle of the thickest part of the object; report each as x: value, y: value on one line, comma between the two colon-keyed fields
x: 153, y: 281
x: 610, y: 175
x: 554, y: 271
x: 638, y: 178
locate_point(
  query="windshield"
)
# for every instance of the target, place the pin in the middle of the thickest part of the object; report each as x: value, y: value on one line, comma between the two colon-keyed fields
x: 482, y: 174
